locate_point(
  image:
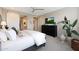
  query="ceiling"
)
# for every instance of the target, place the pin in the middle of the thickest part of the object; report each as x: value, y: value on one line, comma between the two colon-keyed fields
x: 29, y: 10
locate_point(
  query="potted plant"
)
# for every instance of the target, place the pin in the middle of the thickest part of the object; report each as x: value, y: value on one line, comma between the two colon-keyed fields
x: 69, y: 28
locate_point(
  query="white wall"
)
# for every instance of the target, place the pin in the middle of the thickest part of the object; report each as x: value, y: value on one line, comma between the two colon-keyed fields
x: 41, y: 21
x: 71, y: 13
x: 30, y: 22
x: 13, y: 19
x: 3, y: 13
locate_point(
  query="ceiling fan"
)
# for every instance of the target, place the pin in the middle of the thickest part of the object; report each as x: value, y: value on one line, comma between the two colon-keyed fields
x: 35, y: 9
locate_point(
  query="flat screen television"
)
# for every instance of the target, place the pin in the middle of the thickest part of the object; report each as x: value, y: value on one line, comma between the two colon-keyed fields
x: 50, y: 20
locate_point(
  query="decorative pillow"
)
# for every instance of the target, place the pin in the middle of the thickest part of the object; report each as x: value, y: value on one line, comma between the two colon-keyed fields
x: 15, y: 30
x: 20, y: 34
x: 11, y: 34
x: 6, y: 27
x: 3, y: 36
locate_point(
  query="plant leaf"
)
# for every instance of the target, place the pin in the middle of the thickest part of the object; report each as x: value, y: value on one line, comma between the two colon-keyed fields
x: 67, y: 27
x: 64, y: 26
x: 74, y: 23
x: 75, y: 32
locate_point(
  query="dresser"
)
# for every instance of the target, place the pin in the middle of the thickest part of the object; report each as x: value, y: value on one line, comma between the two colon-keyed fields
x: 50, y: 30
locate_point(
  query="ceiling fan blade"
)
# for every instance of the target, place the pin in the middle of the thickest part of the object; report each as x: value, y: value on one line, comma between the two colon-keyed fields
x: 35, y: 9
x: 39, y: 9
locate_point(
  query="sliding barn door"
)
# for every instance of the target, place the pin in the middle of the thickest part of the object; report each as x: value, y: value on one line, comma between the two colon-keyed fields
x: 23, y: 23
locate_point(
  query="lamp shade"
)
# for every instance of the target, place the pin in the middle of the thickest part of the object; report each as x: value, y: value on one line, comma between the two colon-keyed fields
x: 3, y: 23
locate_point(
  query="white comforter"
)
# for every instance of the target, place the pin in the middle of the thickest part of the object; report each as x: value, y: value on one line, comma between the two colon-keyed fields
x: 28, y: 39
x: 19, y: 44
x: 38, y: 37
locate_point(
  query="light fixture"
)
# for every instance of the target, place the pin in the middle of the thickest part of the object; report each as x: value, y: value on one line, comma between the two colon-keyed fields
x: 3, y: 23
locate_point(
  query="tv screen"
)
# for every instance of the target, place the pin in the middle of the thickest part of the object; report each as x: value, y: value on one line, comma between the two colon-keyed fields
x: 50, y: 20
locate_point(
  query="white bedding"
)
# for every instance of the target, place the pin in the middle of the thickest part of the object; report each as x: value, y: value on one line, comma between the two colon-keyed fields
x: 19, y: 44
x: 28, y: 39
x: 38, y: 37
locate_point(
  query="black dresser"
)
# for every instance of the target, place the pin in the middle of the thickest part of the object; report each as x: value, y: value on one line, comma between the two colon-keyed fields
x: 50, y: 30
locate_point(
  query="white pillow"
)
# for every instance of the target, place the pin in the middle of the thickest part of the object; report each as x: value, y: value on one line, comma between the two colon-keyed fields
x: 11, y: 34
x: 3, y: 36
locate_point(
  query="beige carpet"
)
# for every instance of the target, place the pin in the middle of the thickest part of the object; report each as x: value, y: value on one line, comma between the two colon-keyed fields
x: 55, y: 44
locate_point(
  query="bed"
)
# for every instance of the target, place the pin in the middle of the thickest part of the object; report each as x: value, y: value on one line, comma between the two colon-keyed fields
x: 28, y: 39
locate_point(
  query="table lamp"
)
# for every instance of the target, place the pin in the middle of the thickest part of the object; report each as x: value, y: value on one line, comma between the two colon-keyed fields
x: 3, y: 23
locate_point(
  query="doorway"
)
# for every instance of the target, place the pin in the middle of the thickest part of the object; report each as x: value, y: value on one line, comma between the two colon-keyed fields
x: 35, y: 23
x: 23, y: 23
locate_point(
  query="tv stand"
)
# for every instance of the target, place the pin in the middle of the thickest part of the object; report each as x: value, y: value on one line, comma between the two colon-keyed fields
x: 50, y: 30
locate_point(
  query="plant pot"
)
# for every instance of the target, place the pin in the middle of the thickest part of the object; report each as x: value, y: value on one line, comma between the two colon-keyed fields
x: 69, y: 34
x: 69, y: 40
